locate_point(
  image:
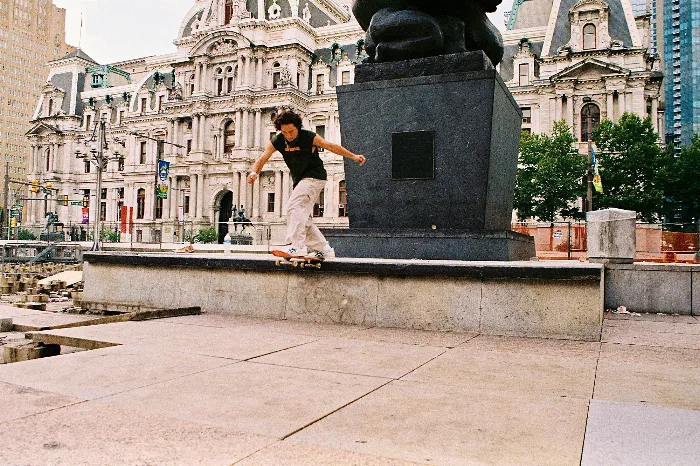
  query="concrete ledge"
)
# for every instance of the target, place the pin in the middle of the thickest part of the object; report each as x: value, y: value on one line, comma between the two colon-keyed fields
x: 534, y: 299
x: 650, y: 287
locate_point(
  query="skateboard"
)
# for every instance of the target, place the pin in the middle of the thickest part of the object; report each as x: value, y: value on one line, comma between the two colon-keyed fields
x: 285, y: 259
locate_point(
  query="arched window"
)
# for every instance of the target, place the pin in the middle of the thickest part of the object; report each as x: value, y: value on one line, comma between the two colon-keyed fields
x: 229, y: 137
x: 590, y: 115
x: 48, y: 160
x: 219, y: 81
x: 589, y: 39
x: 140, y: 203
x: 50, y: 107
x: 228, y: 11
x: 229, y: 79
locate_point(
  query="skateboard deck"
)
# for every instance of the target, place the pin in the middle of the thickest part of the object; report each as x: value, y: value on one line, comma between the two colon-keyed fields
x: 284, y: 258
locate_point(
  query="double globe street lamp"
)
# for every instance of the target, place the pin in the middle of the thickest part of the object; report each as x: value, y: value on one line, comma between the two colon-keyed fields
x: 95, y: 150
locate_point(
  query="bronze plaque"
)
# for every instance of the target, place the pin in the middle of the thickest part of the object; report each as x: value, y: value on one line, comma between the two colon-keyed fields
x: 413, y: 155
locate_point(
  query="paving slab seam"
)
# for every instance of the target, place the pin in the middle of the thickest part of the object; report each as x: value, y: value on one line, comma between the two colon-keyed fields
x: 588, y: 407
x: 238, y: 361
x: 250, y: 359
x: 284, y: 437
x: 320, y: 370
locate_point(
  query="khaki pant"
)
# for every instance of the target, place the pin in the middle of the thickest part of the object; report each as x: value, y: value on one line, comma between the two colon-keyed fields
x: 301, y: 231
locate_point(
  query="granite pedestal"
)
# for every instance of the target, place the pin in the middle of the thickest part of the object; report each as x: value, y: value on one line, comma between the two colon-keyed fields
x: 441, y: 138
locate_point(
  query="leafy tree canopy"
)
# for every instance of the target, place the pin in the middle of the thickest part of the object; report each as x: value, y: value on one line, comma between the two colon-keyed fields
x: 549, y: 175
x: 682, y: 187
x: 631, y: 165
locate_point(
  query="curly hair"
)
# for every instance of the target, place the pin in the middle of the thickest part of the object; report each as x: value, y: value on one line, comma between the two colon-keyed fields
x: 287, y: 117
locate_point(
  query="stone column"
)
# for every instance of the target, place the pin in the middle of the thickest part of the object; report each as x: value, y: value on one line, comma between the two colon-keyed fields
x: 239, y: 75
x: 205, y: 83
x: 200, y: 195
x: 256, y: 199
x: 237, y: 136
x: 622, y: 104
x: 235, y: 186
x: 570, y: 111
x: 244, y: 193
x: 249, y: 76
x: 261, y: 9
x: 193, y: 196
x: 609, y: 105
x: 259, y: 77
x: 202, y: 132
x: 328, y: 199
x: 197, y: 76
x: 195, y: 132
x: 258, y: 128
x: 278, y: 193
x: 245, y: 125
x: 655, y: 113
x: 557, y: 108
x: 172, y: 206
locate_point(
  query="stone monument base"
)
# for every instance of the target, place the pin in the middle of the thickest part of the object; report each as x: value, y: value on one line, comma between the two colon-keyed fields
x: 431, y: 245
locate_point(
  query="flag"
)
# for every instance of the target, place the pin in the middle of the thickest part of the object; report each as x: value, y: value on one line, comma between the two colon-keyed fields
x: 597, y: 181
x: 162, y: 190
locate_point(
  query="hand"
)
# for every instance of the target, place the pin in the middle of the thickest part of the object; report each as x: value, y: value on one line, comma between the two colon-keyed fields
x: 360, y: 159
x: 252, y: 177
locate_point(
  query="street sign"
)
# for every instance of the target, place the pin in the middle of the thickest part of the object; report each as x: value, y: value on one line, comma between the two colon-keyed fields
x: 76, y: 202
x: 18, y: 206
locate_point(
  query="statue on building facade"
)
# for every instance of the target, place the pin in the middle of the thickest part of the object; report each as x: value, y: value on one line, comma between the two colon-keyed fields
x: 402, y: 30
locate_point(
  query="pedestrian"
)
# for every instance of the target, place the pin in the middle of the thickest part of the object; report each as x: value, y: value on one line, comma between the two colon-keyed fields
x: 299, y: 147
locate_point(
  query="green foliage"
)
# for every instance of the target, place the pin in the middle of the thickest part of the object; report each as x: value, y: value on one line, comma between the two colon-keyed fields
x: 207, y: 235
x: 631, y: 166
x: 549, y: 175
x: 110, y: 236
x: 26, y: 235
x: 682, y: 187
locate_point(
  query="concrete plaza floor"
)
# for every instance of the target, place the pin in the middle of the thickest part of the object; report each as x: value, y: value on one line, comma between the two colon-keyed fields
x: 217, y: 390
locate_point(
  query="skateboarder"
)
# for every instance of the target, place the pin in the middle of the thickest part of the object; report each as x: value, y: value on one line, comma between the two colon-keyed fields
x: 299, y: 148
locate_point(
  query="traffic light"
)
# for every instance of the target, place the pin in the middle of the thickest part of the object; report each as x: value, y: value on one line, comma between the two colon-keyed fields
x: 35, y: 186
x: 65, y: 199
x: 86, y: 200
x: 49, y: 186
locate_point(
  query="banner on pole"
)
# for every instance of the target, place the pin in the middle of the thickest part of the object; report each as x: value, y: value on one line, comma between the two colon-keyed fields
x: 86, y: 215
x: 131, y: 220
x: 124, y: 213
x: 163, y: 168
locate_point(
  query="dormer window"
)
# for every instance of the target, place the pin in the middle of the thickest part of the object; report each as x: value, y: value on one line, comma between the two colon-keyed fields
x: 589, y: 37
x: 97, y: 80
x: 524, y: 74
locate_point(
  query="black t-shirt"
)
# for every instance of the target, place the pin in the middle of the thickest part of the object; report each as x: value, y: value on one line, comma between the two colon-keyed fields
x: 301, y: 156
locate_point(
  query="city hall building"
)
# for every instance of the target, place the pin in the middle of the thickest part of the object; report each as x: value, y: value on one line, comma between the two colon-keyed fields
x: 208, y: 109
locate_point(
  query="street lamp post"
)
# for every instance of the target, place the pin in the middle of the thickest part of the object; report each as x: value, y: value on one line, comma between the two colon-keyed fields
x: 98, y: 156
x: 589, y: 169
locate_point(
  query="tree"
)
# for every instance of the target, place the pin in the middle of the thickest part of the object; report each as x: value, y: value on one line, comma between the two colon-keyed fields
x: 549, y: 175
x: 682, y: 188
x: 631, y: 166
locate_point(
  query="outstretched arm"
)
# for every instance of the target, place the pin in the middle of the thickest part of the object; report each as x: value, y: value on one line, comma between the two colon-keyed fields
x: 260, y: 162
x: 338, y: 149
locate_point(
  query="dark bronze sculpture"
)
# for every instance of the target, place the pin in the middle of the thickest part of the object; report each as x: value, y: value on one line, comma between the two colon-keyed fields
x: 405, y: 29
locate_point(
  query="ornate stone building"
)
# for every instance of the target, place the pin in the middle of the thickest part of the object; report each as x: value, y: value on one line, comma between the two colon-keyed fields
x: 208, y: 109
x: 580, y: 61
x: 239, y: 63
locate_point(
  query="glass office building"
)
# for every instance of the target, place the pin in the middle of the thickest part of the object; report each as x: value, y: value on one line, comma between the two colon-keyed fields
x: 681, y: 33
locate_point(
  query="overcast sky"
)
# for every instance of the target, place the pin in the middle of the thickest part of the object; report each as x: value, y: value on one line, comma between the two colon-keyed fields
x: 118, y: 30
